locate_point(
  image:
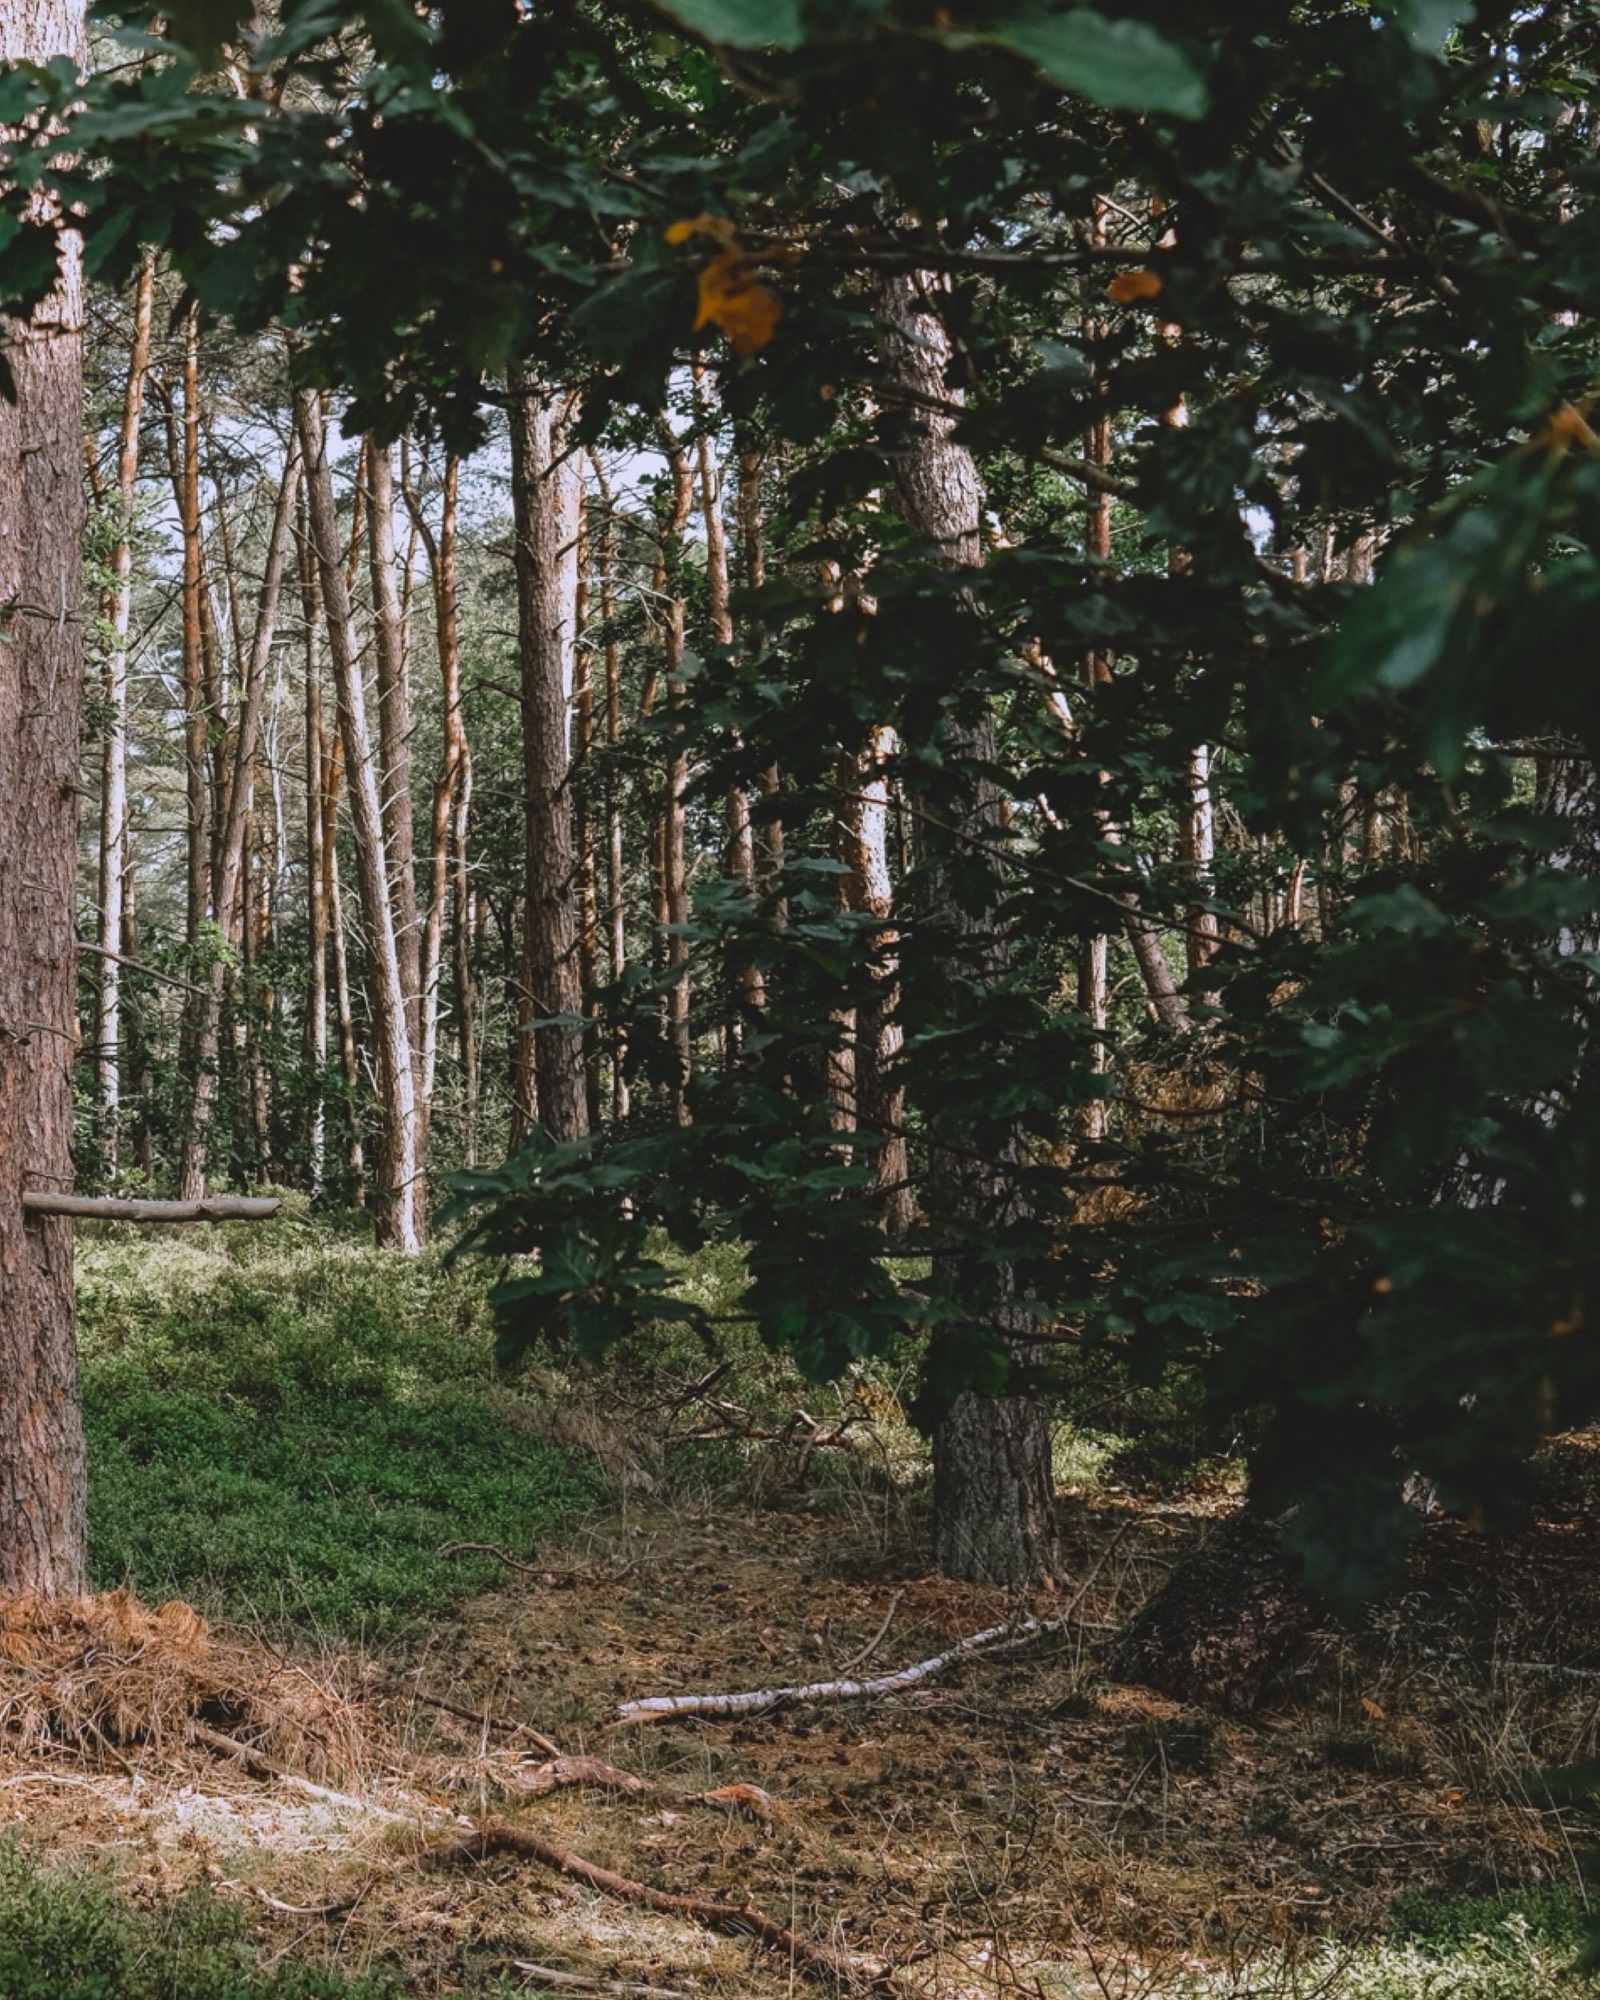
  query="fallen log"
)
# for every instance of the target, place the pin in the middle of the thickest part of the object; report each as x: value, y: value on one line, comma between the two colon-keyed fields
x: 995, y: 1639
x: 126, y: 1208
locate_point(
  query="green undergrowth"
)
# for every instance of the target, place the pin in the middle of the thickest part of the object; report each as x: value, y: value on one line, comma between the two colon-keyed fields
x: 285, y: 1423
x: 67, y: 1934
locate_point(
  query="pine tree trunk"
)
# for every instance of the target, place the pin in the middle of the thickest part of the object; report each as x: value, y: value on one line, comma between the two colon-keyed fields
x: 545, y: 491
x: 316, y: 1016
x: 41, y: 684
x: 197, y: 722
x: 114, y: 752
x: 673, y: 862
x: 616, y: 907
x: 583, y: 826
x: 993, y: 1490
x: 233, y: 911
x: 401, y: 1206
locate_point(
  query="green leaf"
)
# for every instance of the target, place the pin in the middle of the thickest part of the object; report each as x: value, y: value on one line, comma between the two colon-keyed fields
x: 1429, y: 24
x: 1124, y: 65
x: 741, y: 24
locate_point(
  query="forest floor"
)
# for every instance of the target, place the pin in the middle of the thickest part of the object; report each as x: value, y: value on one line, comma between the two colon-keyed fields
x: 1023, y: 1824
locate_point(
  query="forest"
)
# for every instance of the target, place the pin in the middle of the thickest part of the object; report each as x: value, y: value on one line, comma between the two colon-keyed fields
x: 799, y: 927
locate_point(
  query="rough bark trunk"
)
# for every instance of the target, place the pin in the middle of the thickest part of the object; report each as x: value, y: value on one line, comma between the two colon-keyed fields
x: 316, y: 1016
x: 394, y: 737
x: 673, y: 893
x: 197, y: 721
x: 114, y: 750
x: 401, y: 1207
x: 583, y: 826
x: 994, y: 1494
x: 545, y: 491
x: 41, y: 684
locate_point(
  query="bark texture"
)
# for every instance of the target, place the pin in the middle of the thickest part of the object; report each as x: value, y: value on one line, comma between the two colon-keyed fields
x: 41, y: 683
x: 545, y: 498
x: 994, y: 1495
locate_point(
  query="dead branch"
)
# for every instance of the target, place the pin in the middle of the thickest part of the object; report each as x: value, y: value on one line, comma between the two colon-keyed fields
x: 121, y: 1208
x: 861, y: 1658
x: 550, y: 1576
x: 561, y: 1773
x: 731, y: 1919
x: 995, y: 1639
x: 584, y: 1982
x: 497, y: 1723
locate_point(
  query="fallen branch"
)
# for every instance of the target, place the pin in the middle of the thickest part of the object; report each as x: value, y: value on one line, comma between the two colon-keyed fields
x: 562, y: 1773
x: 121, y: 1208
x: 545, y: 1575
x: 996, y: 1639
x: 585, y: 1982
x: 732, y: 1919
x: 860, y: 1659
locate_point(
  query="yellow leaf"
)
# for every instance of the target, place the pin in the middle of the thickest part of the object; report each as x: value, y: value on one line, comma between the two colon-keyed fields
x: 1373, y: 1709
x: 684, y: 230
x: 734, y: 299
x: 1127, y: 286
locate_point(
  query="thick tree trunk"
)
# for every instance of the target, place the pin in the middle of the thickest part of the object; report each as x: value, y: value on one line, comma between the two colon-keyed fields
x: 233, y: 911
x: 994, y: 1495
x: 401, y: 1207
x: 545, y: 492
x: 41, y: 684
x: 114, y: 750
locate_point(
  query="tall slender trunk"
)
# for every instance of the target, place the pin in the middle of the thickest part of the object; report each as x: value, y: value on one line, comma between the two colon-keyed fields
x: 41, y: 502
x: 394, y: 738
x: 114, y: 749
x: 741, y: 855
x: 753, y: 557
x: 233, y: 912
x: 616, y: 908
x: 316, y: 1018
x: 994, y: 1497
x: 441, y: 553
x: 867, y: 888
x: 401, y: 1208
x: 673, y: 899
x: 583, y: 824
x: 197, y: 718
x: 545, y: 491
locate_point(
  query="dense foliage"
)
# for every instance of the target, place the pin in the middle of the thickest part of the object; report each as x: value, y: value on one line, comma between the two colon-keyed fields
x: 1229, y: 307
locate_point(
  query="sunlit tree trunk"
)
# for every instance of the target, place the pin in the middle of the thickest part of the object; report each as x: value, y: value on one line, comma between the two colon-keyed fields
x: 994, y: 1497
x: 41, y: 687
x: 316, y: 1015
x: 400, y: 1210
x: 114, y: 749
x: 545, y: 491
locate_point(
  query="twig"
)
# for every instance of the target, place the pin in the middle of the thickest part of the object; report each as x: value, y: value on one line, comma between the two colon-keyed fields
x: 860, y: 1659
x: 584, y: 1982
x: 499, y: 1837
x: 530, y: 1569
x: 562, y: 1773
x: 994, y: 1639
x: 484, y: 1720
x: 260, y: 1765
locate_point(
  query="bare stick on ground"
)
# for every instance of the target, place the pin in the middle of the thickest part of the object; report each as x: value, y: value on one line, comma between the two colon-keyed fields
x: 585, y: 1982
x: 995, y: 1639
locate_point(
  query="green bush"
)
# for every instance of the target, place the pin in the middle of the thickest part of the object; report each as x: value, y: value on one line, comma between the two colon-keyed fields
x: 65, y: 1934
x: 293, y: 1426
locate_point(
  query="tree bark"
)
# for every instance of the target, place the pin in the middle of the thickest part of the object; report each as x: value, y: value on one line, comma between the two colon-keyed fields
x: 41, y: 686
x: 401, y: 1211
x: 394, y: 740
x: 545, y: 491
x: 114, y: 750
x: 197, y: 720
x: 616, y: 907
x: 316, y: 1016
x: 673, y: 864
x: 994, y: 1494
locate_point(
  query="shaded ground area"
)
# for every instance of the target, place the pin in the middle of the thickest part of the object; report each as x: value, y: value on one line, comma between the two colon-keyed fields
x: 1022, y: 1825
